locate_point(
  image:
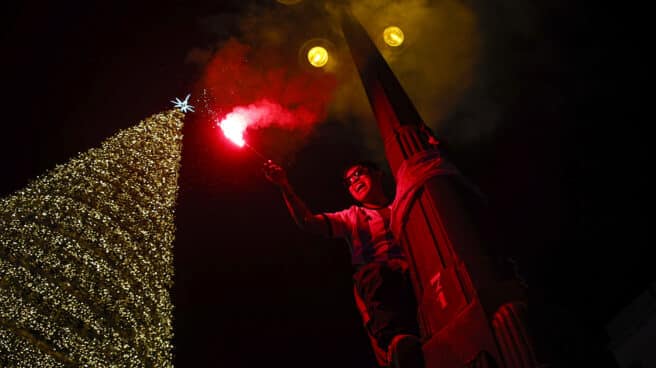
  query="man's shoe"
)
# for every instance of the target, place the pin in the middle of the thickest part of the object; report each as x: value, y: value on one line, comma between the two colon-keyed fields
x: 405, y: 352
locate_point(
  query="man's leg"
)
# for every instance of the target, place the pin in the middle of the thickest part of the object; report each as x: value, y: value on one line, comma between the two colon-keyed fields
x: 386, y: 291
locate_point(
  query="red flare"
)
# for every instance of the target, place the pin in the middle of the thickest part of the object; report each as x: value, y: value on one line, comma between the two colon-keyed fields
x: 234, y: 125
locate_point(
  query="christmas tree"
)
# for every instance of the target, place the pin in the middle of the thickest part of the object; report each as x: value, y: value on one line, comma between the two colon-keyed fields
x: 86, y: 255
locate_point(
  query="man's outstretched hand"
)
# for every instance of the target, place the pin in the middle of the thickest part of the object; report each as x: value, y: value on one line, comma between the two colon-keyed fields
x: 275, y: 174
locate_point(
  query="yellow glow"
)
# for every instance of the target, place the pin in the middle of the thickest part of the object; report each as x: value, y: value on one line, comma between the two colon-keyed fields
x: 317, y: 56
x: 393, y: 36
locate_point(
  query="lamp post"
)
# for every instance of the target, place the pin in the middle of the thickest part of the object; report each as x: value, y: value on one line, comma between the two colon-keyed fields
x: 470, y: 314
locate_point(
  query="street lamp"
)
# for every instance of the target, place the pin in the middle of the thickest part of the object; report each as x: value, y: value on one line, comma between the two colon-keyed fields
x: 317, y: 56
x: 393, y: 36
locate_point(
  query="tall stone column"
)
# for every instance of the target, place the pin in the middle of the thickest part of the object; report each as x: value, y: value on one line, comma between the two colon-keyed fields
x: 470, y: 314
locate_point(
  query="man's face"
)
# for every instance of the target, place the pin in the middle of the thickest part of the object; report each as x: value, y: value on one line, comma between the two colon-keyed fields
x: 360, y: 180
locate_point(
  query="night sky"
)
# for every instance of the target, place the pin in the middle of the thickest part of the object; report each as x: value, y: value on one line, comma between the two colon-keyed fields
x: 544, y: 116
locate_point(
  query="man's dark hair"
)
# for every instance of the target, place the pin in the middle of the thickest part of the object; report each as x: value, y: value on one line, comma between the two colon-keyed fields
x: 364, y: 163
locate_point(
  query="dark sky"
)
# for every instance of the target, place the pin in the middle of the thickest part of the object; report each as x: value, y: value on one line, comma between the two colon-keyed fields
x: 563, y: 167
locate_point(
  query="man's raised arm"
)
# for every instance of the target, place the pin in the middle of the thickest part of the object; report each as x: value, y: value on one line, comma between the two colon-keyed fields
x: 299, y: 211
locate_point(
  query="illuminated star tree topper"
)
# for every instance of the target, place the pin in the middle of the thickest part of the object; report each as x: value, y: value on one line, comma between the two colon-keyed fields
x: 183, y: 105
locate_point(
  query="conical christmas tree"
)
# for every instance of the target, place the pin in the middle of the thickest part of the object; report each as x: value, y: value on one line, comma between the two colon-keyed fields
x: 86, y: 255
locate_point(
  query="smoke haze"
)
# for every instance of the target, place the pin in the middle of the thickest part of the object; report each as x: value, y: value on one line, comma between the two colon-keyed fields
x: 265, y: 59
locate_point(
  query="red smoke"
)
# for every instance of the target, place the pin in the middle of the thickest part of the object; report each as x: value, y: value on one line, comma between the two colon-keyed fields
x: 264, y: 86
x: 259, y: 114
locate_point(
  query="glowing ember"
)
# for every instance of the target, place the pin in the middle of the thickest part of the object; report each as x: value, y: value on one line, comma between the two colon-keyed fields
x: 233, y: 126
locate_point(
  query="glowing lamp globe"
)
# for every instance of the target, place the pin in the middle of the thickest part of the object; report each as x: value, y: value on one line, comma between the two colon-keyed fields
x: 393, y: 36
x: 318, y: 56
